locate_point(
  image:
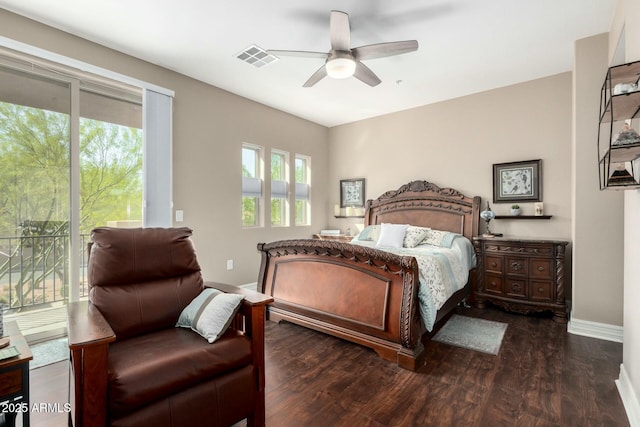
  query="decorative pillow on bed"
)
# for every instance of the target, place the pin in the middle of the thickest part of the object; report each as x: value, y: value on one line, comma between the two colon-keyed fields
x: 443, y: 239
x: 370, y: 233
x: 210, y: 313
x: 392, y: 235
x: 414, y: 236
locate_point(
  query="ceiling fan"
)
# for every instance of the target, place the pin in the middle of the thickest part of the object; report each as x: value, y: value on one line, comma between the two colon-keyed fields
x: 342, y: 61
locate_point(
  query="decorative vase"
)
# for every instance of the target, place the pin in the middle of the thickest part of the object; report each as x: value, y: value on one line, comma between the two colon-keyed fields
x: 515, y: 212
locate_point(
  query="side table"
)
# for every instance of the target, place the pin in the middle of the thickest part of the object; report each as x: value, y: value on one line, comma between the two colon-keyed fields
x: 14, y: 379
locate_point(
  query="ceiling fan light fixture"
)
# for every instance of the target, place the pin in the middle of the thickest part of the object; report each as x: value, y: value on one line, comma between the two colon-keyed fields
x: 340, y: 68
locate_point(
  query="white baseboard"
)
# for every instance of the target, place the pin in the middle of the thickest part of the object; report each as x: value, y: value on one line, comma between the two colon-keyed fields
x: 629, y: 398
x: 601, y: 331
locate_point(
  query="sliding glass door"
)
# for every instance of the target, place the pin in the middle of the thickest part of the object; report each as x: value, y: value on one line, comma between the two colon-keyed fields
x: 110, y: 163
x: 71, y: 159
x: 34, y: 197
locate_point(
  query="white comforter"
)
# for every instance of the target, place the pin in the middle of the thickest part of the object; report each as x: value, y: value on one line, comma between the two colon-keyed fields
x: 443, y: 271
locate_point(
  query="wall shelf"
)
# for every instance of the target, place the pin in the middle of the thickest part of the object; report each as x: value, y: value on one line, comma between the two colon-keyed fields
x: 523, y: 217
x: 618, y: 144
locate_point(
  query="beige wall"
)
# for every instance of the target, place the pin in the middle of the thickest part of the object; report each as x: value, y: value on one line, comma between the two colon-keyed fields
x: 598, y: 215
x: 208, y: 129
x: 454, y: 143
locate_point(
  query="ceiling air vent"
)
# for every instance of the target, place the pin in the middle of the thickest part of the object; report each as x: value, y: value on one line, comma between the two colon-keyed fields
x: 256, y: 56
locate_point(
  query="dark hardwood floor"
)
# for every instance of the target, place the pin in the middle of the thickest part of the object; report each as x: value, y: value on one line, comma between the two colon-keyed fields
x: 542, y: 377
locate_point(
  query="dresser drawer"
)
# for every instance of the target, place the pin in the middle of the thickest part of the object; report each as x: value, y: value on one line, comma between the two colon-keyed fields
x: 493, y: 263
x: 493, y: 284
x: 541, y: 290
x: 541, y: 268
x: 516, y: 265
x: 515, y: 288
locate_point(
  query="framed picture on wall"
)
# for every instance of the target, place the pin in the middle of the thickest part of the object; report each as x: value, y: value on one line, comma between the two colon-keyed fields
x: 352, y: 193
x: 517, y: 182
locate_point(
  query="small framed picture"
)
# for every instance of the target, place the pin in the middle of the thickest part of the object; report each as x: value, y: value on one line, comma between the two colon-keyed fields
x: 352, y: 193
x: 517, y: 182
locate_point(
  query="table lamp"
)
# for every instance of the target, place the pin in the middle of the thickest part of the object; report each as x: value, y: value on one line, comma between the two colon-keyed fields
x: 487, y: 215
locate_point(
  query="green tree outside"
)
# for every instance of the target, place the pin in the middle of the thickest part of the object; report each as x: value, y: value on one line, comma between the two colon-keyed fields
x: 34, y: 169
x: 35, y: 181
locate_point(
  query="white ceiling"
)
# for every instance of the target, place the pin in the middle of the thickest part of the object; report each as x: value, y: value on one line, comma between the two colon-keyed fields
x: 466, y: 46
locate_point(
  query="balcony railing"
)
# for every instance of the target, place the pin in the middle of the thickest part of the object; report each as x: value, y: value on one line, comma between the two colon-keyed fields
x: 34, y: 270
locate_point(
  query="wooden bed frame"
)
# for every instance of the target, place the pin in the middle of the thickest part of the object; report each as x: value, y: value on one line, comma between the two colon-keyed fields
x: 363, y: 294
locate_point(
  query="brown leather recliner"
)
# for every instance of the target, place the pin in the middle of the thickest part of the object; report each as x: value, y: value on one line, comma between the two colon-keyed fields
x: 130, y: 365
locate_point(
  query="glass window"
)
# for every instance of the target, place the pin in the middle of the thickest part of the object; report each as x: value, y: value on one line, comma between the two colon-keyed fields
x: 302, y: 193
x: 251, y: 185
x: 279, y: 188
x: 35, y: 208
x: 111, y: 175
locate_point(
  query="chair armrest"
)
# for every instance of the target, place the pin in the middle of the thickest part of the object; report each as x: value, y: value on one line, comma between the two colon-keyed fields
x: 253, y: 307
x: 86, y: 326
x: 251, y: 297
x: 250, y: 319
x: 89, y: 338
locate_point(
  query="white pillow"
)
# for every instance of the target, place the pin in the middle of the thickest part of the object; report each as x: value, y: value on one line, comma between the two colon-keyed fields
x: 210, y: 313
x: 392, y: 235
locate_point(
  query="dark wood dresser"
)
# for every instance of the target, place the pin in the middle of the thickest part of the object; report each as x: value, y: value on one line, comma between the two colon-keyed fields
x: 521, y: 275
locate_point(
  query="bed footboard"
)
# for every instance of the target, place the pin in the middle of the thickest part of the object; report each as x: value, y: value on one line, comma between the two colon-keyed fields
x: 360, y: 294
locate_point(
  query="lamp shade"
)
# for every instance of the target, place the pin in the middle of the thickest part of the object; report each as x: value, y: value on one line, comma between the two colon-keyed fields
x: 341, y: 67
x: 487, y: 215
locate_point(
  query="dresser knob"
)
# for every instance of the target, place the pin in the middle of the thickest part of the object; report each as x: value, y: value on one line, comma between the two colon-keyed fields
x: 516, y: 266
x: 540, y: 268
x: 493, y: 284
x: 541, y: 290
x: 494, y: 264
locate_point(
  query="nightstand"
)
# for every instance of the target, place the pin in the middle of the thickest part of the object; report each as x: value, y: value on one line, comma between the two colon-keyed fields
x: 521, y: 275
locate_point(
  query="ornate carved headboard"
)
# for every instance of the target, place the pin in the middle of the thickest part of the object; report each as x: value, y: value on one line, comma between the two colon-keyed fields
x: 425, y: 204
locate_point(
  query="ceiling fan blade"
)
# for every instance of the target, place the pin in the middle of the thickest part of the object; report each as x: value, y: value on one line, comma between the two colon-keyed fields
x: 364, y: 74
x: 316, y: 77
x: 340, y: 31
x: 298, y: 53
x: 381, y: 50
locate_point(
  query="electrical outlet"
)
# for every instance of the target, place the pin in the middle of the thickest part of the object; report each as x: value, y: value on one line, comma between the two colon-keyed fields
x: 179, y: 216
x: 229, y: 264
